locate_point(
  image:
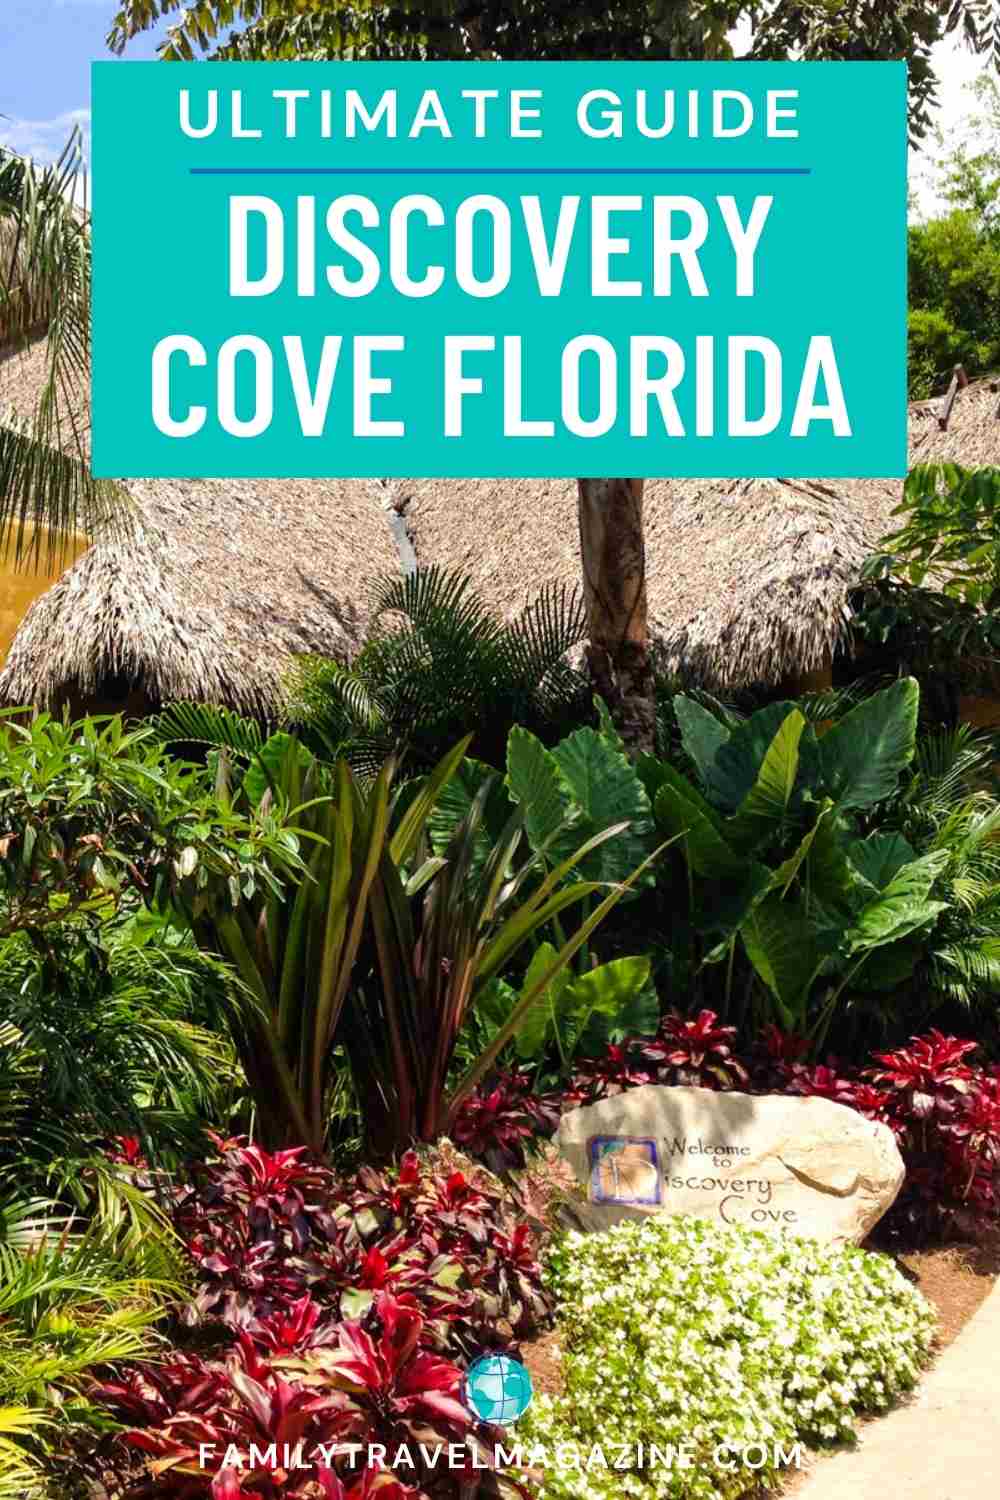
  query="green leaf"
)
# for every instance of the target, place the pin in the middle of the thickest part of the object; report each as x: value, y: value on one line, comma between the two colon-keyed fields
x: 781, y: 944
x: 889, y: 966
x: 681, y: 811
x: 535, y: 784
x: 764, y: 808
x: 453, y: 805
x: 580, y: 788
x: 702, y: 734
x: 790, y: 867
x: 419, y: 808
x: 539, y: 1023
x: 738, y: 762
x: 606, y: 991
x: 862, y: 756
x: 604, y: 788
x: 650, y: 771
x: 902, y: 906
x: 833, y: 881
x: 639, y: 1016
x: 880, y: 856
x: 266, y: 769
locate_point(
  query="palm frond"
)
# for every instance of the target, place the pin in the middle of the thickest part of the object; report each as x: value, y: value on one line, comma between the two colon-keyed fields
x: 434, y: 597
x: 535, y: 647
x: 208, y: 725
x: 46, y: 489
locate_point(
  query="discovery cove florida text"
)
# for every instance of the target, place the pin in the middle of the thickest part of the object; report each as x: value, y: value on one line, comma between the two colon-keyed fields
x: 544, y: 268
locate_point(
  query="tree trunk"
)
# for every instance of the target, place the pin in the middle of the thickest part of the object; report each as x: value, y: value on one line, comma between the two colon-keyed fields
x: 613, y: 552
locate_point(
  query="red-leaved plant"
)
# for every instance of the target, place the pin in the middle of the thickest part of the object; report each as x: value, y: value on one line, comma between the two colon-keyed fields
x: 266, y: 1231
x: 327, y: 1420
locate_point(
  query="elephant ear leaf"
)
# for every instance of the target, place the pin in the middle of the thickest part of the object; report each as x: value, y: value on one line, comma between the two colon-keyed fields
x: 538, y: 1024
x: 493, y: 1005
x: 902, y: 907
x: 782, y: 945
x: 738, y: 762
x: 682, y: 812
x: 454, y: 803
x: 765, y: 807
x: 638, y: 1016
x: 889, y: 965
x: 602, y: 995
x: 702, y: 734
x: 862, y: 756
x: 536, y: 784
x: 604, y: 788
x: 880, y: 856
x: 272, y: 763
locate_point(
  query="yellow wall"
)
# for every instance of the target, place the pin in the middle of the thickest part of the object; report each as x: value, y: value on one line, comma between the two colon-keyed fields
x: 21, y: 584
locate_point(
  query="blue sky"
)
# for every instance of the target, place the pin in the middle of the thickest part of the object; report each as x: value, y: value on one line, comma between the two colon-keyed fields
x: 47, y: 46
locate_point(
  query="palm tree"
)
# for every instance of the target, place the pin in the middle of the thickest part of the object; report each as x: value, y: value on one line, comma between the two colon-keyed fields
x: 613, y: 555
x: 46, y: 489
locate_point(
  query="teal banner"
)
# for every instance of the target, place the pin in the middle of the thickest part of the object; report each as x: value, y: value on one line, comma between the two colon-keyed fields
x: 511, y: 269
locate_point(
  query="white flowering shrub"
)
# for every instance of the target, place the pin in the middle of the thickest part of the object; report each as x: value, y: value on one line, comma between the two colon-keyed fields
x: 721, y: 1347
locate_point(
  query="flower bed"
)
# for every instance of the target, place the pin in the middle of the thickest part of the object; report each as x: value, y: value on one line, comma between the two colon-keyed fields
x: 722, y: 1348
x: 355, y: 1305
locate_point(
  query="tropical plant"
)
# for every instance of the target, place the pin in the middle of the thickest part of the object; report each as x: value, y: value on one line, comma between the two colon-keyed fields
x: 398, y: 943
x: 113, y: 1029
x: 438, y: 665
x: 279, y: 1241
x: 948, y: 807
x: 91, y: 810
x: 45, y: 484
x: 951, y: 532
x: 773, y: 857
x: 220, y: 1430
x: 929, y: 598
x: 72, y: 1299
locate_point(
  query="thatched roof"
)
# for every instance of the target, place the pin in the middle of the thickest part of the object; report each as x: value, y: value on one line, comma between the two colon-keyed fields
x: 747, y: 579
x: 209, y: 593
x: 222, y: 581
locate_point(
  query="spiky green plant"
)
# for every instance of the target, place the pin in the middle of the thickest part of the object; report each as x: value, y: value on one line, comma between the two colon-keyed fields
x: 73, y: 1297
x: 383, y: 944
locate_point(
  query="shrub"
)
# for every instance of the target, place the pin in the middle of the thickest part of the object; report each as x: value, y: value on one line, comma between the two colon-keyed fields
x: 679, y: 1333
x: 266, y: 1231
x: 946, y: 1116
x: 376, y: 945
x: 437, y: 664
x: 92, y: 808
x: 223, y: 1429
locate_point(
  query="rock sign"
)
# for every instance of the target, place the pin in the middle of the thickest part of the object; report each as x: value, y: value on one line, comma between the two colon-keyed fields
x: 773, y: 1162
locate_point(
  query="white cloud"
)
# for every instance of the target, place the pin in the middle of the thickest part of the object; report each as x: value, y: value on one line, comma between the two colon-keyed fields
x: 44, y: 139
x: 957, y: 69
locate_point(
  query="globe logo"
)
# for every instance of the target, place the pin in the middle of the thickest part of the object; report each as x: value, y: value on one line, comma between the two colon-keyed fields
x: 498, y: 1388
